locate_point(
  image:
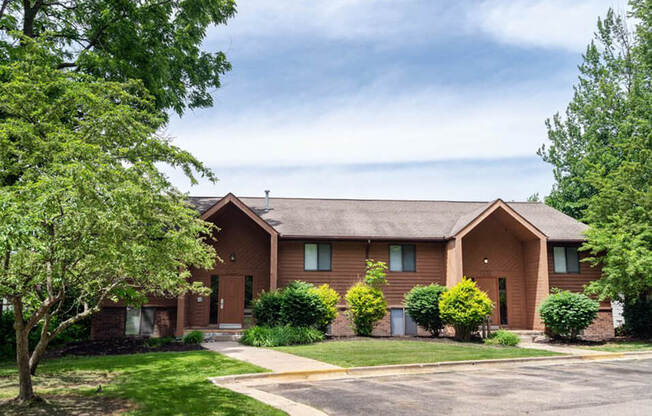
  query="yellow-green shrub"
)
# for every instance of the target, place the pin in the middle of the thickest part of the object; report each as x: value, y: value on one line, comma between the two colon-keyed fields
x: 366, y: 306
x: 465, y: 307
x: 330, y: 298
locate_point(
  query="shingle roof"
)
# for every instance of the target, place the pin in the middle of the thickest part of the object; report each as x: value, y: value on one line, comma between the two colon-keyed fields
x: 391, y: 219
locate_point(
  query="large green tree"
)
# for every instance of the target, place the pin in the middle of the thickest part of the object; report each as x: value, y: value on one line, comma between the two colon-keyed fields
x: 601, y: 152
x: 156, y: 41
x: 86, y: 212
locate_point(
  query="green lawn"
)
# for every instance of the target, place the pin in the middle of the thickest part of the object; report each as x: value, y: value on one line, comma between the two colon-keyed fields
x: 622, y: 346
x: 384, y: 352
x: 162, y: 383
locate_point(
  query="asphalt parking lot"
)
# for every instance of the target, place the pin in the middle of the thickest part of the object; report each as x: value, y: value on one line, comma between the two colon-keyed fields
x: 592, y: 388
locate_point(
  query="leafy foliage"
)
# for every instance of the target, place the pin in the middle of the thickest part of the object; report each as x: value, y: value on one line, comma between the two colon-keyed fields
x: 465, y: 307
x: 422, y: 304
x: 638, y: 318
x: 157, y: 42
x: 267, y: 308
x: 193, y: 337
x: 261, y: 336
x: 601, y: 153
x: 502, y: 337
x: 330, y: 298
x: 375, y: 273
x: 85, y: 214
x: 299, y: 304
x: 566, y: 314
x: 302, y: 306
x: 366, y: 306
x: 159, y: 342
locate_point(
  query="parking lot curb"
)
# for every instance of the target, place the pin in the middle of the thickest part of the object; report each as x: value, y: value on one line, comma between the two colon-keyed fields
x: 407, y: 369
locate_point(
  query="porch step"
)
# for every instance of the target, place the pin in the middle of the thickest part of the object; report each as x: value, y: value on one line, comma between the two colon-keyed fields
x: 222, y: 336
x: 529, y: 335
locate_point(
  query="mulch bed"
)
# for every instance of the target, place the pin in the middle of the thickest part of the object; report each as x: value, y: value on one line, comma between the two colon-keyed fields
x: 116, y: 346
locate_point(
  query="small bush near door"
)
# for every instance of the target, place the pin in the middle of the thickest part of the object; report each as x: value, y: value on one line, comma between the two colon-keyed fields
x: 261, y: 336
x: 465, y: 307
x: 422, y: 304
x: 267, y: 308
x: 193, y: 337
x: 566, y: 314
x: 503, y: 337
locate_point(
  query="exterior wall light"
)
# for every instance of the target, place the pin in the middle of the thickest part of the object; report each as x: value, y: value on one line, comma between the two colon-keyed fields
x: 485, y: 260
x: 232, y: 257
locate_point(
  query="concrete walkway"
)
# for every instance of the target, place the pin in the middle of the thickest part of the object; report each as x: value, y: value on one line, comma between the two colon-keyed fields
x: 560, y: 349
x: 276, y: 361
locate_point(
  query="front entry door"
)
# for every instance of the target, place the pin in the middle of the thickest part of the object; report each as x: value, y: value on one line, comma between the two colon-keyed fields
x: 490, y: 286
x: 231, y: 302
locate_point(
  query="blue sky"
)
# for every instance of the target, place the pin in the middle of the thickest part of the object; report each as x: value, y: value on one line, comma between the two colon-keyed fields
x: 388, y: 98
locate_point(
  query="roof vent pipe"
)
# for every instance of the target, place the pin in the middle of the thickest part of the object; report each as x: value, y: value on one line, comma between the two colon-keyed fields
x: 267, y: 200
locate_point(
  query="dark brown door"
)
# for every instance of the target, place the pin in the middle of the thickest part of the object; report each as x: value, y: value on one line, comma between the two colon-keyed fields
x: 490, y: 286
x: 231, y: 302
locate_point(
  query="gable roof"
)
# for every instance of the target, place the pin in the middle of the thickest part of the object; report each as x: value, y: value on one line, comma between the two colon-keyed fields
x: 392, y: 219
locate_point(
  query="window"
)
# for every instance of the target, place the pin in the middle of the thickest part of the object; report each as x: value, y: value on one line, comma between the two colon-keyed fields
x: 566, y: 260
x: 249, y: 293
x: 402, y: 258
x: 317, y: 256
x: 502, y: 297
x: 139, y: 321
x: 214, y: 299
x: 402, y: 323
x: 132, y: 324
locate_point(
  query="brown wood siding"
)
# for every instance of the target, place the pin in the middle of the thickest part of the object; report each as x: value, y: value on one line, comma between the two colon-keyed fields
x: 347, y: 266
x: 574, y: 282
x: 491, y: 239
x: 251, y: 245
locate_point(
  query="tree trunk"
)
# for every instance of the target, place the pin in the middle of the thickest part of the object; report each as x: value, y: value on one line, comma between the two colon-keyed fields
x: 37, y: 354
x: 22, y: 359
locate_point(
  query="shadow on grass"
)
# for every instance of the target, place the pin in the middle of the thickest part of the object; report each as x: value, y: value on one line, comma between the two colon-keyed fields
x: 165, y: 383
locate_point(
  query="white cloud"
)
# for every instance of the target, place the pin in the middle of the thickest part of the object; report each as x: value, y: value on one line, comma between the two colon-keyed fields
x: 542, y: 23
x: 370, y: 127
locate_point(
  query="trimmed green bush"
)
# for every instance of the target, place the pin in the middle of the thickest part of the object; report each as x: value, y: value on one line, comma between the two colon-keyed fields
x: 330, y: 298
x: 267, y: 308
x: 465, y: 307
x: 193, y: 337
x: 262, y: 336
x: 301, y: 305
x: 503, y: 337
x: 422, y: 304
x: 638, y: 318
x: 566, y: 314
x: 367, y: 306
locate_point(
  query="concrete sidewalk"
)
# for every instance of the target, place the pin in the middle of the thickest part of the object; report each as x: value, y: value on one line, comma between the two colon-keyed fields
x: 278, y: 362
x: 559, y: 349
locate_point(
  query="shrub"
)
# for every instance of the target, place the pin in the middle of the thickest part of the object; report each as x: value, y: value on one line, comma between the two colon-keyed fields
x: 503, y: 337
x: 267, y: 308
x: 375, y: 273
x: 367, y: 306
x: 159, y: 342
x: 79, y: 331
x: 638, y: 318
x: 330, y: 299
x: 262, y: 336
x: 566, y: 314
x: 301, y: 305
x: 422, y: 304
x: 193, y: 337
x: 465, y: 307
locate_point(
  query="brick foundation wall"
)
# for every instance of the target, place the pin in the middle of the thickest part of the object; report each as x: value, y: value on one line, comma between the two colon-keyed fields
x: 108, y: 323
x: 601, y: 328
